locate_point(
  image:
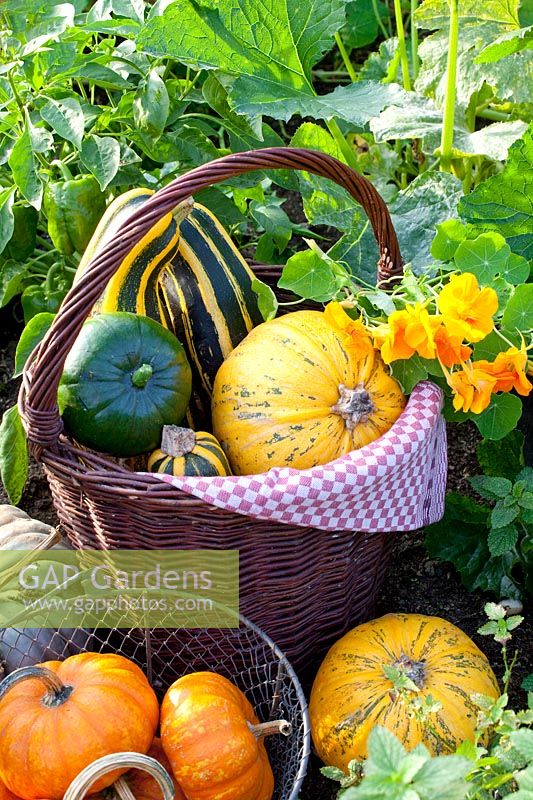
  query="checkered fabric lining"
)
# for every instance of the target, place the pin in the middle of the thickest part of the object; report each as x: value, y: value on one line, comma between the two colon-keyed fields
x: 396, y: 483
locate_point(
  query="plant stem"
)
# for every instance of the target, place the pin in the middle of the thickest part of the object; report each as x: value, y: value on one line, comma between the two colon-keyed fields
x: 446, y: 144
x: 344, y: 147
x: 382, y: 27
x: 490, y: 113
x: 401, y: 46
x: 345, y: 57
x: 414, y: 41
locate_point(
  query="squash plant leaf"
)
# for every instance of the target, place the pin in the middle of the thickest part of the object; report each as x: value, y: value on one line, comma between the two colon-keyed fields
x: 480, y: 23
x: 506, y: 45
x: 503, y: 202
x: 267, y: 66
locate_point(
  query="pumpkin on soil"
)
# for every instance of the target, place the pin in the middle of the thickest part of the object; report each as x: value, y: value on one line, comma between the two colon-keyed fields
x: 58, y: 717
x: 292, y: 394
x: 211, y: 736
x: 187, y: 452
x: 351, y: 692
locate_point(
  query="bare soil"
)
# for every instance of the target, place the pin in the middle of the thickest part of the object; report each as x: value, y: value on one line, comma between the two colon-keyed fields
x: 414, y: 583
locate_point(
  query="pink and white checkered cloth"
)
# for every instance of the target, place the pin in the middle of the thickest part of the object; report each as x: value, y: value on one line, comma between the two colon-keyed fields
x: 396, y: 483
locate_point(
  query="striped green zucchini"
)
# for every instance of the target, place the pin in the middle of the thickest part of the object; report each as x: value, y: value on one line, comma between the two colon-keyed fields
x: 207, y: 299
x: 186, y: 452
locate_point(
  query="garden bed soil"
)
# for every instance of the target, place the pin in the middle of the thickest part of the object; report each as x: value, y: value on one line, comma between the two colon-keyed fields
x: 414, y: 583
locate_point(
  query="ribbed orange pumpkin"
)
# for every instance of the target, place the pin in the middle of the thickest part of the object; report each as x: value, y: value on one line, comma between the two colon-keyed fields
x: 208, y: 735
x: 293, y: 394
x: 143, y: 786
x: 5, y: 794
x: 58, y: 717
x: 351, y: 693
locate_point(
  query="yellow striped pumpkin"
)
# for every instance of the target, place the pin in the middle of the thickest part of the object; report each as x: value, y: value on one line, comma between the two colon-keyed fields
x: 187, y: 274
x: 351, y: 692
x: 187, y: 452
x: 292, y: 394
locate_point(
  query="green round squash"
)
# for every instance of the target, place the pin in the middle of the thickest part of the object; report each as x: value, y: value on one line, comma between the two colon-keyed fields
x: 124, y: 379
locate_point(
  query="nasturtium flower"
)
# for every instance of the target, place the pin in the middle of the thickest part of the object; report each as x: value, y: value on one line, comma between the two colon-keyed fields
x: 468, y: 310
x: 407, y: 332
x: 450, y: 347
x: 509, y: 370
x: 356, y: 336
x: 472, y: 388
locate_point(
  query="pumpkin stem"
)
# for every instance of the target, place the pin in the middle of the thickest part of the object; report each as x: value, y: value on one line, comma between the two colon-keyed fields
x: 176, y: 441
x: 353, y: 405
x: 142, y: 375
x: 56, y: 691
x: 183, y: 209
x: 275, y: 726
x: 120, y: 761
x: 415, y: 670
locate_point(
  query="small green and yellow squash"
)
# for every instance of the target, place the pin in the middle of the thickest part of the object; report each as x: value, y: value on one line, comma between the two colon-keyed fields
x: 187, y: 452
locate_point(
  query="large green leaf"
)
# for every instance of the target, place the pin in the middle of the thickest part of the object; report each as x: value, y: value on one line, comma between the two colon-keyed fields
x: 24, y: 167
x: 7, y: 220
x: 500, y: 417
x: 503, y: 202
x: 66, y: 118
x: 479, y: 25
x: 101, y: 156
x: 270, y: 63
x: 512, y: 42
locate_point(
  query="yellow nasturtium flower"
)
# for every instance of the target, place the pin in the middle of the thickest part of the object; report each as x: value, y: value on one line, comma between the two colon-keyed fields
x: 407, y: 332
x: 509, y: 370
x: 468, y: 309
x: 472, y: 388
x: 356, y: 337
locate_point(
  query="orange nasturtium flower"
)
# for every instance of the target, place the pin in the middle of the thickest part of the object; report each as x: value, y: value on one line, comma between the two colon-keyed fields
x: 467, y: 308
x: 472, y: 388
x: 356, y: 337
x: 450, y: 347
x: 508, y: 368
x: 407, y: 332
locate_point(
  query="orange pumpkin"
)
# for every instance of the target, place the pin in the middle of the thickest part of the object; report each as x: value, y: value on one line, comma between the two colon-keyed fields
x: 5, y: 794
x: 58, y: 717
x: 211, y: 737
x: 294, y: 394
x: 144, y: 786
x: 351, y: 692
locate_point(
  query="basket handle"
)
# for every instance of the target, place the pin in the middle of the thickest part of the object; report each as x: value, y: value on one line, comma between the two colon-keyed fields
x: 124, y: 761
x: 41, y: 376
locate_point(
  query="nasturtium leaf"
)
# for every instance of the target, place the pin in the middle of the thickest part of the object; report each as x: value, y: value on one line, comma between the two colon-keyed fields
x: 66, y: 118
x: 489, y: 347
x: 409, y: 372
x: 500, y: 417
x: 101, y: 156
x: 517, y: 269
x: 519, y: 312
x: 485, y: 257
x: 13, y: 455
x: 362, y: 23
x: 503, y: 202
x: 449, y: 236
x: 7, y: 220
x: 309, y: 275
x: 504, y: 290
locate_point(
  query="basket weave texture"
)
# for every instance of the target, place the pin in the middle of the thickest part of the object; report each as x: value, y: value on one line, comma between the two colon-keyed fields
x: 244, y: 655
x: 304, y: 578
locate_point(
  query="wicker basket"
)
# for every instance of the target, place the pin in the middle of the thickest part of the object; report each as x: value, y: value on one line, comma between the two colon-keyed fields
x: 302, y: 585
x: 244, y: 655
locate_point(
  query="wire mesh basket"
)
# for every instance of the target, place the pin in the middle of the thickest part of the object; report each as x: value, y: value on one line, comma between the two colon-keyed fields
x: 245, y: 655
